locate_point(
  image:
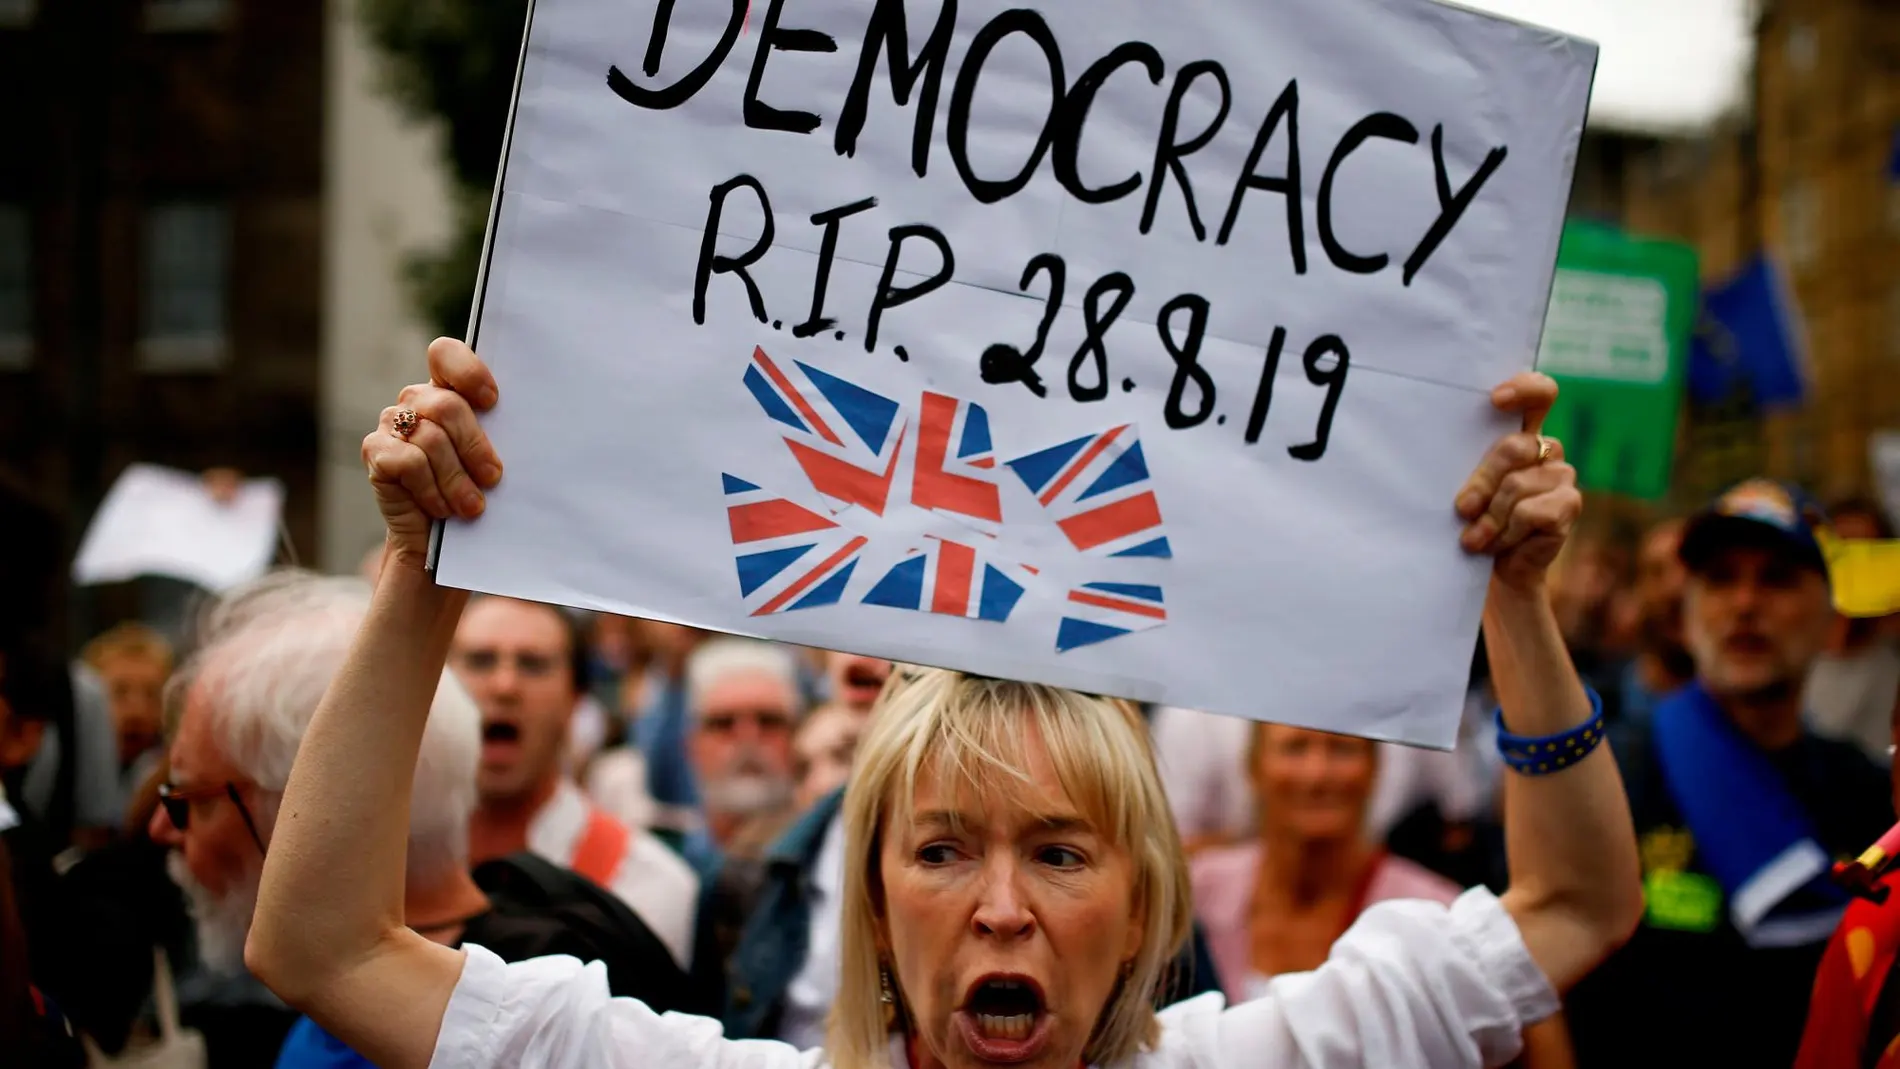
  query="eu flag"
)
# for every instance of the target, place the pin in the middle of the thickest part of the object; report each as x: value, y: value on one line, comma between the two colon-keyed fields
x: 1750, y: 331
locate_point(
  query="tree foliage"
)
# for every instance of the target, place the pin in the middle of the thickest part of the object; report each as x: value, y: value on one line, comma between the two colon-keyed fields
x: 453, y: 60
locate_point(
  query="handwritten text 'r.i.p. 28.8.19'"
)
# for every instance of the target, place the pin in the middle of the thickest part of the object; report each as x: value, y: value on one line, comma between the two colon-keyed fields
x: 1183, y: 321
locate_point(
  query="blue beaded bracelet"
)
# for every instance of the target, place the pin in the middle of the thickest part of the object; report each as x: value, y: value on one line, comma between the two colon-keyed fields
x: 1540, y: 755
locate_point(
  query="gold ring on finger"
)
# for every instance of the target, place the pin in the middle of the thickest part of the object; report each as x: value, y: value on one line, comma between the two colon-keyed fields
x: 404, y: 423
x: 1545, y: 448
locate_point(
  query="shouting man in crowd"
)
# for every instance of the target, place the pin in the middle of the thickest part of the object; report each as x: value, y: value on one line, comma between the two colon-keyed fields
x: 526, y: 667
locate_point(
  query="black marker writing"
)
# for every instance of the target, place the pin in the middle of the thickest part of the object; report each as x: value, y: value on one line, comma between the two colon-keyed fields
x: 891, y: 296
x: 1451, y: 206
x: 1004, y: 364
x: 817, y: 321
x: 1068, y: 139
x: 1030, y: 25
x: 1334, y: 379
x: 681, y: 91
x: 774, y: 38
x: 1186, y: 353
x: 1095, y: 324
x: 888, y: 28
x: 1385, y: 125
x: 1287, y: 185
x: 1169, y: 153
x: 1263, y: 397
x: 711, y: 264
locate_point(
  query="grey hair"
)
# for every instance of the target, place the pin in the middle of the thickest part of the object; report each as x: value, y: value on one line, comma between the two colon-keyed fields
x: 263, y: 657
x: 721, y: 658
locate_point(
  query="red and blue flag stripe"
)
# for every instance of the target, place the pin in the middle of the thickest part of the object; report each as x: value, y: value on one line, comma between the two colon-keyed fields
x: 1098, y: 490
x: 788, y: 556
x: 1097, y: 612
x: 950, y: 579
x: 845, y: 437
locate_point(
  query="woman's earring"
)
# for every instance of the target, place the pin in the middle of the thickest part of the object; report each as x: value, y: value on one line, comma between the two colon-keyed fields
x: 884, y: 993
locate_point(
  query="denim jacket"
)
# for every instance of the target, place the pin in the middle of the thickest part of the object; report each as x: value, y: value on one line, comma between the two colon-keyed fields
x: 771, y: 945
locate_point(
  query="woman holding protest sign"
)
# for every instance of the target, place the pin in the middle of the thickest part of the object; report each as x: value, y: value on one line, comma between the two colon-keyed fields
x: 1014, y: 887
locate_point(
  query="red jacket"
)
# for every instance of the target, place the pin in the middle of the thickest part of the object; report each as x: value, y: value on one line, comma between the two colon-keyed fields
x: 1848, y: 984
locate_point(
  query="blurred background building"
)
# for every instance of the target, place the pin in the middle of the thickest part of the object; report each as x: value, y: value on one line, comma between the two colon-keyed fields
x: 1807, y: 167
x: 204, y: 212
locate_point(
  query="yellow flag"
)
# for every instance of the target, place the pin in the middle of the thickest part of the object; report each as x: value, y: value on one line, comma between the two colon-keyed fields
x: 1864, y: 572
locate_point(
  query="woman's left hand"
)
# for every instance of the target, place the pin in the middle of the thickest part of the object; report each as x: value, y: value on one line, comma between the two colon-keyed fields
x: 1521, y: 502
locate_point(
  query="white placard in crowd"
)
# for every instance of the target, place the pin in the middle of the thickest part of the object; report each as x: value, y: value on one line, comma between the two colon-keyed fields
x: 161, y: 521
x: 1883, y: 448
x: 1136, y: 348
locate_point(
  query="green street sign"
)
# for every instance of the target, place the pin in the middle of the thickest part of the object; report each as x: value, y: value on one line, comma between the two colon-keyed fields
x: 1616, y: 339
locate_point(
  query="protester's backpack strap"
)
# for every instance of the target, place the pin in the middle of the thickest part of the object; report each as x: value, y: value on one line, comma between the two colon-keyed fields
x: 638, y: 963
x: 734, y: 899
x: 603, y: 846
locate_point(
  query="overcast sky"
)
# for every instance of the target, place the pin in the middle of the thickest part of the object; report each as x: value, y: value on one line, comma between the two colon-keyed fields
x: 1667, y: 66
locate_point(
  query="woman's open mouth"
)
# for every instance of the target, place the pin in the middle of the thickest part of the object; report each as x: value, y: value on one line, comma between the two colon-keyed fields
x: 1003, y: 1019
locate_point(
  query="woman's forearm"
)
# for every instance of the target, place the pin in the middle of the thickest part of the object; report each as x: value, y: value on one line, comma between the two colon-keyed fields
x: 1575, y: 888
x: 331, y: 899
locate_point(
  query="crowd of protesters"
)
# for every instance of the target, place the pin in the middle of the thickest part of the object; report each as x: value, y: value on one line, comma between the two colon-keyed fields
x: 669, y: 802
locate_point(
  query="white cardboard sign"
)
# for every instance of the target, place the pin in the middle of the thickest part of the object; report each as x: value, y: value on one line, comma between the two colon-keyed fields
x: 1133, y: 347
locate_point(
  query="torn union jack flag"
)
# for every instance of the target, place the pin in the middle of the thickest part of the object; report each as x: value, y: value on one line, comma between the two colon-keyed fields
x: 919, y: 484
x: 845, y: 437
x: 1097, y: 612
x: 951, y: 579
x: 955, y: 472
x: 1097, y: 490
x: 789, y: 556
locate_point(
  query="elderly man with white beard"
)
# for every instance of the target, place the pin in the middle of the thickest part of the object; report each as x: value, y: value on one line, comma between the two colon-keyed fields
x: 744, y: 700
x: 237, y: 712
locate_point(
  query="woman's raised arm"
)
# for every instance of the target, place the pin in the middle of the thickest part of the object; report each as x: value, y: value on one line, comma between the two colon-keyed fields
x: 328, y: 936
x: 1575, y: 890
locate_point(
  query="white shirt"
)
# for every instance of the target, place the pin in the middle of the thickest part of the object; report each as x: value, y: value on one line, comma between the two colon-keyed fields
x: 9, y: 817
x: 1411, y: 985
x: 617, y: 782
x: 809, y: 996
x: 1852, y: 698
x: 586, y: 734
x: 654, y: 881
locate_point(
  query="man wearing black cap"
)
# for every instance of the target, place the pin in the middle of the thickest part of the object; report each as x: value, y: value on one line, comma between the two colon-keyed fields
x: 1739, y: 809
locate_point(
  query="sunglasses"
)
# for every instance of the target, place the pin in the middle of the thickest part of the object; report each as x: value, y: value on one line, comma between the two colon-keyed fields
x: 178, y: 804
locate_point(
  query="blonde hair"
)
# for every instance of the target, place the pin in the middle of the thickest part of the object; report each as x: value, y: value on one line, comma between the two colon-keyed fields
x: 972, y: 732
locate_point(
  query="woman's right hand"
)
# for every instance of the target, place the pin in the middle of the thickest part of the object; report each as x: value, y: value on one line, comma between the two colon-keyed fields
x: 441, y: 467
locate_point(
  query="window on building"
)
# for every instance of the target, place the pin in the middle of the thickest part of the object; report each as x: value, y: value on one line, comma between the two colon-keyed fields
x: 185, y: 14
x: 16, y: 288
x: 16, y: 13
x: 187, y: 262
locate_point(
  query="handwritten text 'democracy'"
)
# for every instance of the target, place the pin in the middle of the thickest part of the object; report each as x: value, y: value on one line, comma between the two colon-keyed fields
x: 914, y: 59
